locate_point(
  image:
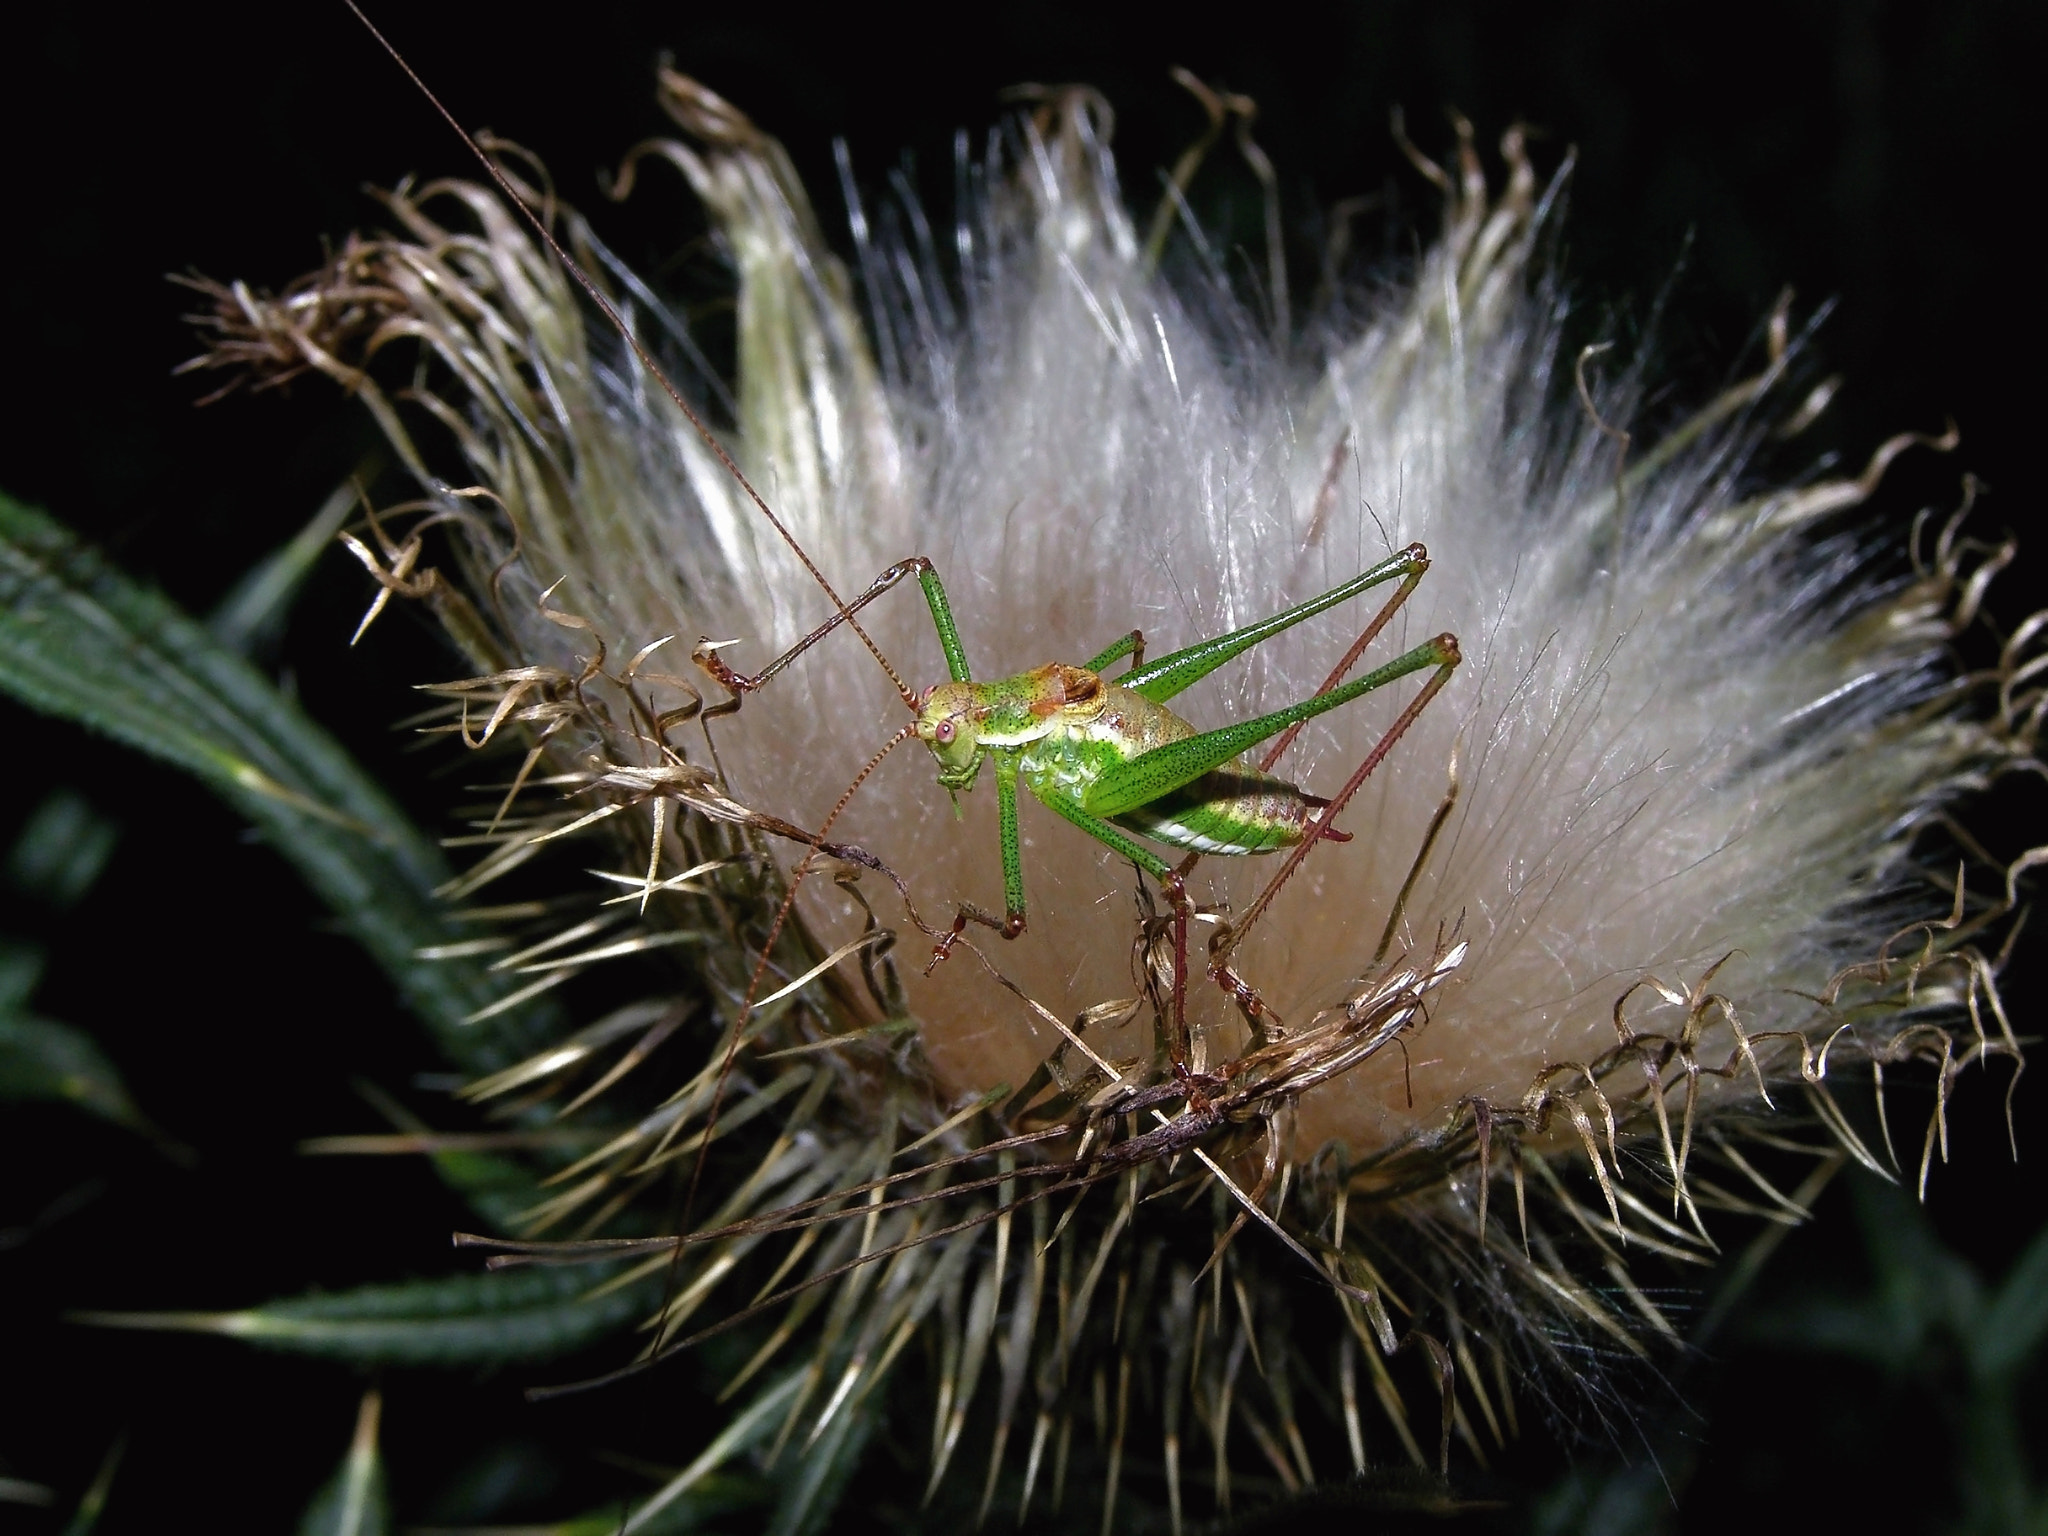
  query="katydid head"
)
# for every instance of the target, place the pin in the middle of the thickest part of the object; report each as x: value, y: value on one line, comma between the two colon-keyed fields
x: 949, y: 721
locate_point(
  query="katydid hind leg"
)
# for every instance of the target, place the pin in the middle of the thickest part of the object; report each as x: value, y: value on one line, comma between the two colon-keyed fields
x: 1131, y: 645
x: 1345, y: 663
x: 1447, y: 663
x: 1161, y: 771
x: 1171, y: 674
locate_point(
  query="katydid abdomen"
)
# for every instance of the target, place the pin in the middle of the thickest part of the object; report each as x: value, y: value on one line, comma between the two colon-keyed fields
x: 1234, y: 809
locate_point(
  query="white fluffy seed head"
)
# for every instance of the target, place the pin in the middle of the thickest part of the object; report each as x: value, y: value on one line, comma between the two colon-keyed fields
x: 1682, y: 730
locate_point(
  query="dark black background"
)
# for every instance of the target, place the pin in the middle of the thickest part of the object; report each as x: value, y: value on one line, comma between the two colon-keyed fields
x: 1882, y: 156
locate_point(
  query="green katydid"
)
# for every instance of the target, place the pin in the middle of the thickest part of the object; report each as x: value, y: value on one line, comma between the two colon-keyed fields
x: 1110, y: 757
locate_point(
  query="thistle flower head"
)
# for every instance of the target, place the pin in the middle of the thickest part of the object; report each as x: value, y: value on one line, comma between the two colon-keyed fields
x: 1651, y: 846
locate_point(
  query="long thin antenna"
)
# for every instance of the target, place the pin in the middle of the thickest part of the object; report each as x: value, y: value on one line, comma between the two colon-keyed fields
x: 589, y: 286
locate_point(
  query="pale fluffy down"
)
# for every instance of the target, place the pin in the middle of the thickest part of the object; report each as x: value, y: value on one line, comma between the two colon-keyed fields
x: 1682, y: 732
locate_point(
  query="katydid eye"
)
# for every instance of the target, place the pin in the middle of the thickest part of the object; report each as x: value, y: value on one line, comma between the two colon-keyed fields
x: 943, y: 732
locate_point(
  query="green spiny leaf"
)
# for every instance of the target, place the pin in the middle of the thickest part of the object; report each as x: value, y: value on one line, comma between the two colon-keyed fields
x: 496, y: 1188
x: 710, y: 1499
x: 41, y: 1059
x: 21, y: 967
x: 2011, y: 1328
x: 81, y: 641
x: 685, y: 1491
x: 818, y: 1477
x: 477, y: 1319
x: 62, y: 850
x: 94, y: 1501
x: 253, y: 613
x: 353, y: 1502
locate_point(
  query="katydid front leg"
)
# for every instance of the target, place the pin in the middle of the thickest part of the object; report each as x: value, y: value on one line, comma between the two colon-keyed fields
x: 738, y: 683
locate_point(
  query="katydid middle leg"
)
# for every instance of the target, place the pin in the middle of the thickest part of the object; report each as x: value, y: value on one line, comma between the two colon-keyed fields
x: 1121, y: 842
